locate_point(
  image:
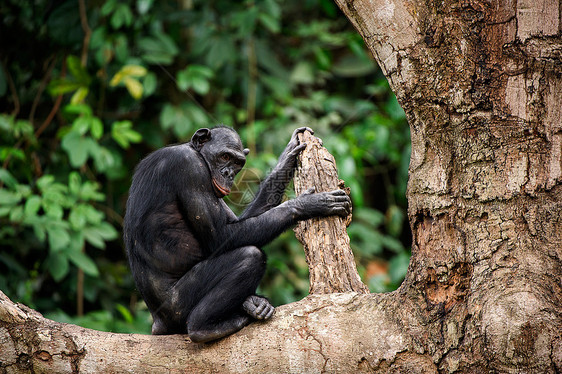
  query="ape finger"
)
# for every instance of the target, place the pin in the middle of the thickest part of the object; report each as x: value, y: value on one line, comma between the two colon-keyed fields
x: 298, y: 149
x: 270, y: 312
x: 310, y: 191
x: 260, y: 308
x: 302, y: 129
x: 338, y: 192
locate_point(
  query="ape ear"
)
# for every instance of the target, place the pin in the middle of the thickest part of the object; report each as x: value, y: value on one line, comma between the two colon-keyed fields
x: 200, y: 137
x: 246, y: 151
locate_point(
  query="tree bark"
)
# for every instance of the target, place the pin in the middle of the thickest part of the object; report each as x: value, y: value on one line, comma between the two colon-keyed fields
x: 481, y: 85
x: 326, y: 243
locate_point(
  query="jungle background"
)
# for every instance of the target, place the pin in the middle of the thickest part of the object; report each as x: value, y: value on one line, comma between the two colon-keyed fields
x: 87, y: 89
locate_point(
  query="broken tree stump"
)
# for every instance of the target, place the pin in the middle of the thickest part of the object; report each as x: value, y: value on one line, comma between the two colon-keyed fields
x: 326, y: 244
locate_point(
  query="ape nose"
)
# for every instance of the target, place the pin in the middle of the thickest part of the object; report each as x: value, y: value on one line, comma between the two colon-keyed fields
x: 228, y: 173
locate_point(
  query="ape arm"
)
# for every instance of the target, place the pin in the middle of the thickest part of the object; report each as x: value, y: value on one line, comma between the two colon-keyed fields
x: 273, y: 188
x: 225, y: 233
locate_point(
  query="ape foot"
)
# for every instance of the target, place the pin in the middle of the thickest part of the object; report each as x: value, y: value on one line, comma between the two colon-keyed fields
x: 258, y: 307
x: 225, y: 328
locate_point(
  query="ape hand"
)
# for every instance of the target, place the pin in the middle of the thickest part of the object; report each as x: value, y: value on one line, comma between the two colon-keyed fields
x: 310, y: 204
x: 258, y: 307
x: 288, y: 159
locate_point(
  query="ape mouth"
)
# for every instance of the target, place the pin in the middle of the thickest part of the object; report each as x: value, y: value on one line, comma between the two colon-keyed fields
x: 223, y: 190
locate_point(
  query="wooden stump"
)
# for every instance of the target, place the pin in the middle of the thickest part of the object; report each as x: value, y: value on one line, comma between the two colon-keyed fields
x: 325, y: 240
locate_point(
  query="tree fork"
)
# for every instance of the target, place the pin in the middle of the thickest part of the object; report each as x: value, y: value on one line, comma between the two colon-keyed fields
x: 325, y: 240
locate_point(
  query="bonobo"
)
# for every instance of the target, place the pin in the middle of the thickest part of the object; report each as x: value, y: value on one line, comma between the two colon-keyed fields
x: 196, y: 264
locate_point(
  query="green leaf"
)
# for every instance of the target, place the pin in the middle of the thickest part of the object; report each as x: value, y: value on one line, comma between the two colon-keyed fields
x: 53, y: 210
x: 160, y: 49
x: 183, y: 80
x: 121, y: 48
x: 77, y: 217
x: 143, y: 6
x: 122, y: 16
x: 58, y: 237
x: 221, y: 52
x: 6, y: 121
x: 79, y: 109
x: 108, y: 7
x: 196, y: 77
x: 104, y: 160
x: 200, y: 85
x: 93, y: 215
x: 149, y: 83
x: 125, y: 313
x: 270, y: 23
x: 23, y: 128
x: 398, y: 266
x: 323, y: 58
x: 62, y: 86
x: 58, y: 194
x: 39, y: 230
x: 106, y: 231
x: 123, y: 134
x: 393, y: 244
x: 5, y: 210
x: 77, y: 70
x: 79, y: 95
x: 9, y: 197
x: 57, y: 264
x: 6, y: 152
x: 89, y: 191
x: 45, y: 181
x: 372, y: 216
x: 97, y: 235
x: 96, y: 128
x: 353, y: 66
x: 76, y: 147
x: 81, y: 260
x: 81, y: 125
x: 32, y: 206
x: 303, y: 73
x: 16, y: 214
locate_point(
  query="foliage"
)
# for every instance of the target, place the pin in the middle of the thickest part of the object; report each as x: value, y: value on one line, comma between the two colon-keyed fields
x: 100, y: 85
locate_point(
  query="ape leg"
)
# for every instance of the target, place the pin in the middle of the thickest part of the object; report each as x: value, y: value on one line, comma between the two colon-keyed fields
x: 227, y: 281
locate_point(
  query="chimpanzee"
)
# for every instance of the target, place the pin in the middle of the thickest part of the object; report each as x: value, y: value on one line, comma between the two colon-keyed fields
x: 196, y: 264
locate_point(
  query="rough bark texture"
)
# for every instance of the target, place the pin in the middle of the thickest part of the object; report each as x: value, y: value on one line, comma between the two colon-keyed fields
x: 344, y: 332
x: 326, y: 243
x: 481, y: 85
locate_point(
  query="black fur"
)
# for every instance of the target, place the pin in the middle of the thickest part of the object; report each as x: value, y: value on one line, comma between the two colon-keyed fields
x: 196, y: 264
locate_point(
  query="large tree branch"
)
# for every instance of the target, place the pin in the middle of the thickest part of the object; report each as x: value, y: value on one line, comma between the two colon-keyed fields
x: 320, y: 333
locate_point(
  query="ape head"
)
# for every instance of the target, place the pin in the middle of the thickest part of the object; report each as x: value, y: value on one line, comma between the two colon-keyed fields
x: 222, y: 150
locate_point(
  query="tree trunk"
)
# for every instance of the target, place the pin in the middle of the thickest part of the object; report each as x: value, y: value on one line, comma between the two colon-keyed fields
x: 326, y: 243
x: 481, y: 84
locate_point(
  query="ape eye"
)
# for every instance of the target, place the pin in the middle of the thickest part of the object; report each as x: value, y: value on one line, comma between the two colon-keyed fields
x: 225, y: 157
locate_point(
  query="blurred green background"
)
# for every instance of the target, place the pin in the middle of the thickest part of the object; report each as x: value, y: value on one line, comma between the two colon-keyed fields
x: 89, y: 88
